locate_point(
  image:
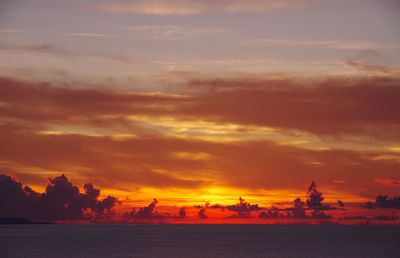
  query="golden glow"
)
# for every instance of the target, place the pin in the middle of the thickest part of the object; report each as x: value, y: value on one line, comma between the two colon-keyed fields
x: 387, y: 157
x: 394, y: 149
x: 191, y: 155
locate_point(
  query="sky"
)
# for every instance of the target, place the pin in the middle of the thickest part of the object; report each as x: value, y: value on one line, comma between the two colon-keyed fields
x: 194, y: 102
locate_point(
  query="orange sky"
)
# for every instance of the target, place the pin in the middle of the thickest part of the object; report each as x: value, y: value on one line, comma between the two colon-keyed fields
x: 265, y: 139
x: 202, y: 101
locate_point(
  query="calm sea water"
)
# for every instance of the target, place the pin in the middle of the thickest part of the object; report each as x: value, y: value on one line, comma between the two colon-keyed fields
x: 199, y: 241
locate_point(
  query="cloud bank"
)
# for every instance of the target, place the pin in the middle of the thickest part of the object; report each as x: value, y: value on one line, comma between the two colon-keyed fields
x: 113, y: 133
x: 61, y: 201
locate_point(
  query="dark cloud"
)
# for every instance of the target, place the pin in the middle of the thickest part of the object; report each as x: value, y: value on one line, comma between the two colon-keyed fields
x: 148, y: 211
x: 368, y: 106
x: 270, y: 214
x: 317, y: 214
x: 202, y: 213
x: 128, y: 163
x: 315, y: 198
x: 243, y: 208
x: 182, y: 213
x: 27, y: 109
x: 314, y: 203
x: 42, y: 102
x: 369, y: 67
x: 145, y: 213
x: 298, y: 211
x: 383, y: 201
x: 386, y: 217
x: 217, y: 206
x: 61, y: 200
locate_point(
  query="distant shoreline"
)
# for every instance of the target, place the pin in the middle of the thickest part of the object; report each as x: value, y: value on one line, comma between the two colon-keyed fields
x: 19, y: 221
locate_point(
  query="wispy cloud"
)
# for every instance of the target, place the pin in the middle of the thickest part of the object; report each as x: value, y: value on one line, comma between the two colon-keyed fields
x: 39, y: 48
x: 89, y: 35
x: 310, y: 43
x: 372, y: 68
x: 56, y: 50
x: 15, y: 31
x: 388, y: 182
x: 173, y: 32
x: 191, y: 7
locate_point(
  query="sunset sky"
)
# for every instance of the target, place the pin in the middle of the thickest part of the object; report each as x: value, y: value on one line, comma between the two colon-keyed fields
x: 192, y: 101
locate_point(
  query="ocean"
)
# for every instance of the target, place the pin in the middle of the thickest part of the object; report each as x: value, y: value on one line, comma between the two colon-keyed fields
x: 158, y: 240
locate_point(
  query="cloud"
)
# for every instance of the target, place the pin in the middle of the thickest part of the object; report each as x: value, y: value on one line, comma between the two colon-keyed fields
x: 315, y: 198
x: 38, y: 48
x: 145, y: 213
x: 388, y: 182
x: 182, y: 213
x: 368, y: 106
x: 202, y: 213
x: 88, y: 35
x: 173, y: 32
x: 317, y: 214
x: 195, y: 7
x: 55, y: 50
x: 367, y: 66
x: 243, y: 208
x: 383, y: 201
x: 314, y: 203
x: 16, y: 31
x: 148, y: 211
x: 372, y: 68
x: 61, y: 200
x: 386, y: 217
x: 90, y: 132
x: 298, y: 211
x: 313, y: 43
x: 270, y: 214
x: 133, y: 162
x: 48, y: 103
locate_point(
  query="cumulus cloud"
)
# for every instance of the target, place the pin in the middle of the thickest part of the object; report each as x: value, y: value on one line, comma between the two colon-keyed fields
x: 243, y: 208
x: 145, y: 213
x: 315, y: 198
x: 61, y: 200
x: 269, y: 214
x: 383, y: 201
x: 148, y: 211
x: 314, y: 203
x: 202, y: 213
x: 317, y: 214
x: 182, y: 213
x: 298, y: 211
